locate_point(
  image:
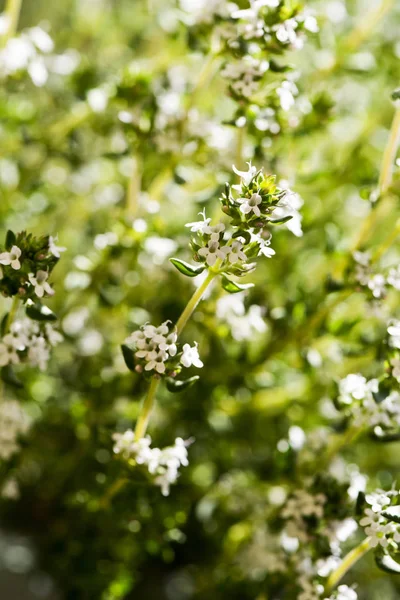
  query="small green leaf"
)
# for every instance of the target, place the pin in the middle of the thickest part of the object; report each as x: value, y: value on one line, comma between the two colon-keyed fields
x: 392, y: 513
x: 280, y: 221
x: 387, y: 563
x: 10, y: 239
x: 185, y: 268
x: 40, y: 312
x: 129, y: 357
x: 8, y: 376
x: 232, y: 287
x: 396, y: 94
x: 176, y: 385
x: 3, y: 324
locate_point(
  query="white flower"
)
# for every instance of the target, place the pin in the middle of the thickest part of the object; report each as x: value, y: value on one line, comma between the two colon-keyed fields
x: 264, y: 246
x: 212, y: 251
x: 11, y: 258
x: 39, y: 282
x: 163, y: 464
x: 191, y: 356
x: 13, y: 423
x: 355, y: 387
x: 250, y: 204
x: 246, y: 176
x: 230, y: 309
x: 394, y: 333
x: 200, y: 226
x: 395, y: 363
x: 155, y: 345
x: 38, y: 353
x: 376, y: 526
x: 55, y: 250
x: 8, y: 354
x: 286, y: 92
x: 10, y: 489
x: 344, y: 592
x: 234, y: 252
x: 394, y: 278
x: 289, y: 205
x: 377, y: 285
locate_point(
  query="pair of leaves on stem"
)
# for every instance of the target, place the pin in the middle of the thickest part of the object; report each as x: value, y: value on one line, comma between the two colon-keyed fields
x: 192, y: 271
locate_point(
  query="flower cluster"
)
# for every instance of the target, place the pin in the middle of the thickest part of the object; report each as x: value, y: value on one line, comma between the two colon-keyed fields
x: 300, y: 507
x: 250, y: 206
x: 31, y: 51
x: 13, y: 423
x: 377, y: 283
x: 26, y: 264
x: 367, y: 405
x: 242, y: 323
x: 381, y: 519
x: 253, y: 35
x: 155, y: 349
x: 28, y: 342
x: 162, y: 464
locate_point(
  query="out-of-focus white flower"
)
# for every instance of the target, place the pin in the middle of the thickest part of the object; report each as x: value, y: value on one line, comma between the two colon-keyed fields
x: 97, y: 99
x: 377, y: 285
x: 394, y: 334
x: 13, y: 423
x: 286, y: 92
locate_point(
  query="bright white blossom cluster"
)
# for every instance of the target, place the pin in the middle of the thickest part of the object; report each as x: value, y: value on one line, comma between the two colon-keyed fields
x: 344, y: 592
x: 28, y: 342
x: 156, y: 349
x: 31, y: 51
x: 13, y: 423
x: 162, y: 464
x: 380, y: 529
x: 357, y: 394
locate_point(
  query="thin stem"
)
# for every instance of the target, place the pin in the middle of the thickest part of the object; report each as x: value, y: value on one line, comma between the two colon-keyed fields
x: 133, y: 191
x: 114, y: 489
x: 146, y: 409
x: 385, y: 177
x: 193, y: 302
x: 12, y: 11
x: 349, y: 560
x: 389, y: 156
x: 11, y: 314
x: 336, y: 443
x: 239, y: 146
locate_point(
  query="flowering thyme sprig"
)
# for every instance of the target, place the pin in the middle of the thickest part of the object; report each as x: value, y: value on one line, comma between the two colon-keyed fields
x: 26, y: 263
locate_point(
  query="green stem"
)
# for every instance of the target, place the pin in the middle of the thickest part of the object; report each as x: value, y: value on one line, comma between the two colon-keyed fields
x: 12, y: 11
x: 193, y: 302
x: 389, y: 156
x: 239, y: 146
x: 385, y: 177
x: 349, y: 560
x: 337, y: 443
x: 147, y: 407
x: 133, y: 191
x: 148, y: 403
x: 11, y: 314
